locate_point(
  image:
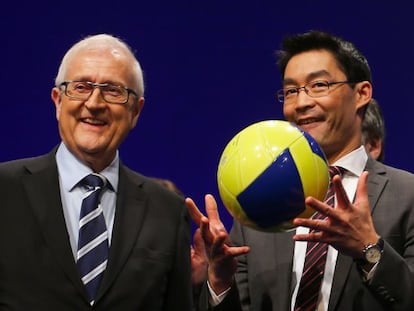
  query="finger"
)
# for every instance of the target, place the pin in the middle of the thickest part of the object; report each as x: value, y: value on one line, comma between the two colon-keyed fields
x: 213, y: 215
x: 193, y: 210
x: 320, y: 207
x: 218, y: 244
x: 211, y: 208
x: 331, y: 215
x: 316, y: 225
x: 341, y: 196
x: 311, y: 237
x: 235, y: 251
x: 199, y: 245
x: 206, y: 234
x: 221, y: 248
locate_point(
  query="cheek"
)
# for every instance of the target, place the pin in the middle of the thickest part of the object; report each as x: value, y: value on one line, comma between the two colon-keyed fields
x: 288, y: 112
x: 58, y: 107
x: 125, y: 118
x: 66, y: 115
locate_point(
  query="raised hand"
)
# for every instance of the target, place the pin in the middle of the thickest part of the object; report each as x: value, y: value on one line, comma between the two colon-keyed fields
x: 221, y: 255
x: 348, y: 227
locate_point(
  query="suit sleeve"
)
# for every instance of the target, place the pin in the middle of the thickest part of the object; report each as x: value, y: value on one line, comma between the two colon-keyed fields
x: 179, y: 292
x: 393, y: 281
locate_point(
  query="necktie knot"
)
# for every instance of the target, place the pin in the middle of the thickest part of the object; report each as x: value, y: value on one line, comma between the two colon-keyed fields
x: 336, y: 170
x: 94, y: 181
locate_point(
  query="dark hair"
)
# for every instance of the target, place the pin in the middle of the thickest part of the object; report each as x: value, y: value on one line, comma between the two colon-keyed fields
x: 373, y: 127
x: 349, y: 59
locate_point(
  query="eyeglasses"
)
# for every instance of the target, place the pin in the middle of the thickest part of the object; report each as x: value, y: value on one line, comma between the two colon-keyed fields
x: 318, y: 88
x: 112, y: 94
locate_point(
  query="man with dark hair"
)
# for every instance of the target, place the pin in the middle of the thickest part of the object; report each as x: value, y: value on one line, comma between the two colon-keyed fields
x: 365, y: 242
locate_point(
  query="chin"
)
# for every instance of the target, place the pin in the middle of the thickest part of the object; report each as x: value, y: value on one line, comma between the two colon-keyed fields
x: 90, y: 148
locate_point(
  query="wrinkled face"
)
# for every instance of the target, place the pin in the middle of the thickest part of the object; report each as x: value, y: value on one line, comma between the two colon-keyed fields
x: 333, y: 120
x: 93, y: 129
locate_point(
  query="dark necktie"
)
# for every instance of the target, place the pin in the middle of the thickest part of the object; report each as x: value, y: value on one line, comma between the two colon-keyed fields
x: 310, y: 283
x: 92, y: 252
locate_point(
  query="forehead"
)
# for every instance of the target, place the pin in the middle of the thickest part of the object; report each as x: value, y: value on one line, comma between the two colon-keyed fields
x: 310, y: 65
x: 100, y: 64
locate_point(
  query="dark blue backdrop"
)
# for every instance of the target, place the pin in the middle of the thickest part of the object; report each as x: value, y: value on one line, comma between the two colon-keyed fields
x: 209, y: 70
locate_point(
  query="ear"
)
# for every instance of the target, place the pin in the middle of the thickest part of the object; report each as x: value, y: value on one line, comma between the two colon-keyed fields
x: 136, y: 110
x: 363, y: 93
x: 56, y: 95
x: 374, y: 148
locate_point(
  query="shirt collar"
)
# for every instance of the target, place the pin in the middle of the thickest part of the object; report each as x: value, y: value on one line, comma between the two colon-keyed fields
x: 72, y: 170
x: 354, y: 162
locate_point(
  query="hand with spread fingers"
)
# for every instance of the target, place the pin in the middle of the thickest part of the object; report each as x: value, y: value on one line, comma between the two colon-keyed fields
x: 221, y: 255
x: 348, y: 227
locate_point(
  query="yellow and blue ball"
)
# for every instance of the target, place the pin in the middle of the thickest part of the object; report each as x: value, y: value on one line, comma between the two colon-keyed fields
x: 267, y: 170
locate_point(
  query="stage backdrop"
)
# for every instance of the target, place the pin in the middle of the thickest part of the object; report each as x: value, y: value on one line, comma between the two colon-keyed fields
x: 209, y: 69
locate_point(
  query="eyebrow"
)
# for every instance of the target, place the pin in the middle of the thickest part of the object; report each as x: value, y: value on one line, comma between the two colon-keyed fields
x: 83, y: 79
x: 310, y: 77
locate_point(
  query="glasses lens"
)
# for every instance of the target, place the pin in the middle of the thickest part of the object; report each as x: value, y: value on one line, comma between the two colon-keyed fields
x: 79, y: 90
x: 114, y: 94
x: 317, y: 88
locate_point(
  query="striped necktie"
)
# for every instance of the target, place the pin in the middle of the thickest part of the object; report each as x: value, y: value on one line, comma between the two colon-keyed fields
x: 310, y: 283
x: 92, y: 252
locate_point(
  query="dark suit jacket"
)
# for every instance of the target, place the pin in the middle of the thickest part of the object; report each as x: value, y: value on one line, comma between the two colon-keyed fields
x: 264, y: 277
x: 149, y: 263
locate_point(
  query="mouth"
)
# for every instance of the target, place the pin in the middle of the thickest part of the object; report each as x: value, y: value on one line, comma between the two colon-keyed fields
x: 308, y: 121
x: 93, y: 121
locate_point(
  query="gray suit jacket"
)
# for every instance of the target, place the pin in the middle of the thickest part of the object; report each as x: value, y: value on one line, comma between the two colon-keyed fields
x: 264, y: 276
x: 149, y: 262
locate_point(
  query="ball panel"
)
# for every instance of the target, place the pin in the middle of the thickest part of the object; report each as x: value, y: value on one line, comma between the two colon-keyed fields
x: 277, y: 136
x: 243, y: 159
x: 254, y: 154
x: 233, y: 206
x: 278, y: 186
x: 309, y: 168
x: 322, y: 178
x: 316, y: 149
x: 313, y: 170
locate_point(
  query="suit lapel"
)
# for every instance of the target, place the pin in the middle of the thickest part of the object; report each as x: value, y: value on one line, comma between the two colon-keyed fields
x: 377, y: 180
x: 342, y: 269
x: 130, y: 213
x: 42, y: 188
x: 375, y: 185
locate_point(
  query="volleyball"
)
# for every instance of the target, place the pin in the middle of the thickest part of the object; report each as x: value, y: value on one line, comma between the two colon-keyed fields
x: 267, y: 170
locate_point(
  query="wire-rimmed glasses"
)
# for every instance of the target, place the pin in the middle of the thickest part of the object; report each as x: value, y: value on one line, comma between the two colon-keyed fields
x: 317, y: 88
x: 111, y: 93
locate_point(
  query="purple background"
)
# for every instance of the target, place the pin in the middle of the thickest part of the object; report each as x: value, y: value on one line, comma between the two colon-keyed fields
x: 209, y: 70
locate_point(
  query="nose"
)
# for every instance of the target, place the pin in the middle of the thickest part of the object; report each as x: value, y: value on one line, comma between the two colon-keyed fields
x: 95, y: 100
x: 303, y: 100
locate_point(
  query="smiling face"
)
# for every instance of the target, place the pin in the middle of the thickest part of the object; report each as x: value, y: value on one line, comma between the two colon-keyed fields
x: 333, y: 120
x: 93, y: 129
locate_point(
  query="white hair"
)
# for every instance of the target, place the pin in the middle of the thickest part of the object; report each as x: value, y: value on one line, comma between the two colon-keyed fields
x: 101, y: 40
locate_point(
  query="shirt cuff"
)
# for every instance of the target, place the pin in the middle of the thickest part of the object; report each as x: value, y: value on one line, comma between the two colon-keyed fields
x: 368, y: 275
x: 215, y: 299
